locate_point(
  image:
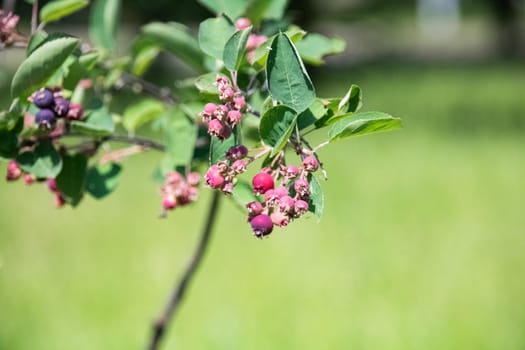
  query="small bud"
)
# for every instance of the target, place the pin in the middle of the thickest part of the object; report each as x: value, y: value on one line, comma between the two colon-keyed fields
x: 301, y: 207
x: 239, y: 103
x: 193, y: 179
x: 234, y: 117
x: 60, y: 201
x: 209, y: 108
x: 262, y: 225
x: 310, y: 164
x: 173, y: 178
x: 279, y: 219
x: 242, y: 23
x: 221, y: 112
x: 52, y: 185
x: 223, y: 167
x: 271, y: 197
x: 227, y: 188
x: 227, y: 94
x: 262, y: 182
x: 302, y: 187
x: 215, y: 128
x: 239, y: 166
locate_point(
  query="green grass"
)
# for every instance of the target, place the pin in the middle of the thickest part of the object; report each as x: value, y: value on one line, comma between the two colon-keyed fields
x: 421, y: 245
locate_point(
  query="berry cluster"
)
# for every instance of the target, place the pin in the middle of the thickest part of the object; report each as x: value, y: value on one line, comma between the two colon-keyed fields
x: 221, y: 118
x: 220, y: 176
x: 14, y: 173
x: 179, y: 190
x: 52, y: 106
x: 283, y: 203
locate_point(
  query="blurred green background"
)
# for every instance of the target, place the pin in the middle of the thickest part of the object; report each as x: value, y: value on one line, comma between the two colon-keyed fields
x: 421, y: 245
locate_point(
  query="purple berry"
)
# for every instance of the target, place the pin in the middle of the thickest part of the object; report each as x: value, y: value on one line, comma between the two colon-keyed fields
x: 61, y: 107
x: 237, y: 152
x: 254, y: 208
x: 262, y: 225
x: 45, y: 118
x: 43, y: 98
x: 262, y: 182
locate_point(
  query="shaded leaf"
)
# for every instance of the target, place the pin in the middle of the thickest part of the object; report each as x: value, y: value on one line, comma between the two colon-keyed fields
x: 206, y: 83
x: 276, y: 126
x: 71, y: 179
x: 99, y: 123
x: 233, y: 8
x: 102, y: 179
x: 41, y: 65
x: 8, y: 144
x: 219, y: 148
x: 141, y: 113
x: 288, y: 80
x: 234, y: 49
x: 316, y: 203
x: 43, y: 162
x: 181, y: 135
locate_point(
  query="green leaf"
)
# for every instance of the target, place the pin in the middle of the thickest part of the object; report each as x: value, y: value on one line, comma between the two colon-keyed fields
x: 213, y: 35
x: 103, y: 23
x: 41, y: 65
x: 178, y: 40
x: 234, y: 49
x: 352, y: 101
x: 99, y: 123
x: 141, y: 113
x: 180, y: 134
x: 316, y: 204
x: 35, y: 41
x: 145, y: 54
x: 233, y: 8
x: 288, y: 80
x: 312, y: 114
x: 71, y: 179
x: 266, y: 9
x: 242, y: 194
x: 10, y: 119
x: 55, y: 10
x: 206, y: 83
x: 43, y: 162
x: 315, y: 46
x: 102, y: 179
x: 354, y: 124
x: 276, y: 126
x: 8, y: 144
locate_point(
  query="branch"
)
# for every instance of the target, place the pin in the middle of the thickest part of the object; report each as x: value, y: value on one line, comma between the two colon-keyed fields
x: 178, y: 294
x: 137, y: 141
x: 138, y: 84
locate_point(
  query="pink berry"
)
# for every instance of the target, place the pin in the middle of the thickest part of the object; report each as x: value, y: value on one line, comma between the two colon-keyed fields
x: 169, y: 202
x: 52, y: 185
x: 271, y: 197
x: 221, y: 112
x: 13, y: 171
x: 215, y: 128
x: 75, y: 112
x: 262, y: 182
x: 234, y: 117
x: 209, y: 108
x: 239, y: 166
x: 227, y: 188
x: 281, y: 191
x: 291, y: 172
x: 302, y: 187
x: 279, y: 219
x: 239, y: 103
x: 310, y: 164
x: 262, y: 225
x: 60, y: 201
x: 173, y: 178
x: 242, y: 23
x: 300, y: 207
x: 227, y: 94
x: 286, y: 204
x: 193, y: 179
x: 28, y: 179
x: 214, y: 178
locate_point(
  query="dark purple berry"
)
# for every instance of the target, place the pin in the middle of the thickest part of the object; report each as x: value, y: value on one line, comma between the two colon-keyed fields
x: 45, y: 118
x: 43, y: 98
x: 61, y: 107
x: 262, y: 225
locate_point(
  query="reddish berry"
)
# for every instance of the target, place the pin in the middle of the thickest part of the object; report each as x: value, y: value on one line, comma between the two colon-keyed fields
x: 310, y: 164
x: 60, y: 201
x: 279, y: 219
x: 262, y: 225
x: 169, y: 202
x: 13, y: 171
x: 262, y: 182
x: 52, y: 185
x: 43, y: 98
x: 302, y: 187
x: 75, y: 112
x: 242, y: 23
x: 28, y: 179
x: 234, y: 117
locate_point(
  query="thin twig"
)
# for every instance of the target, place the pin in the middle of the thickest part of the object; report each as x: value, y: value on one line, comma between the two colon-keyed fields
x: 177, y: 296
x: 137, y: 141
x: 137, y: 83
x: 34, y: 17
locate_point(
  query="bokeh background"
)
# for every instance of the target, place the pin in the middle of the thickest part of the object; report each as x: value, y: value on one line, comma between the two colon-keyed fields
x: 422, y: 245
